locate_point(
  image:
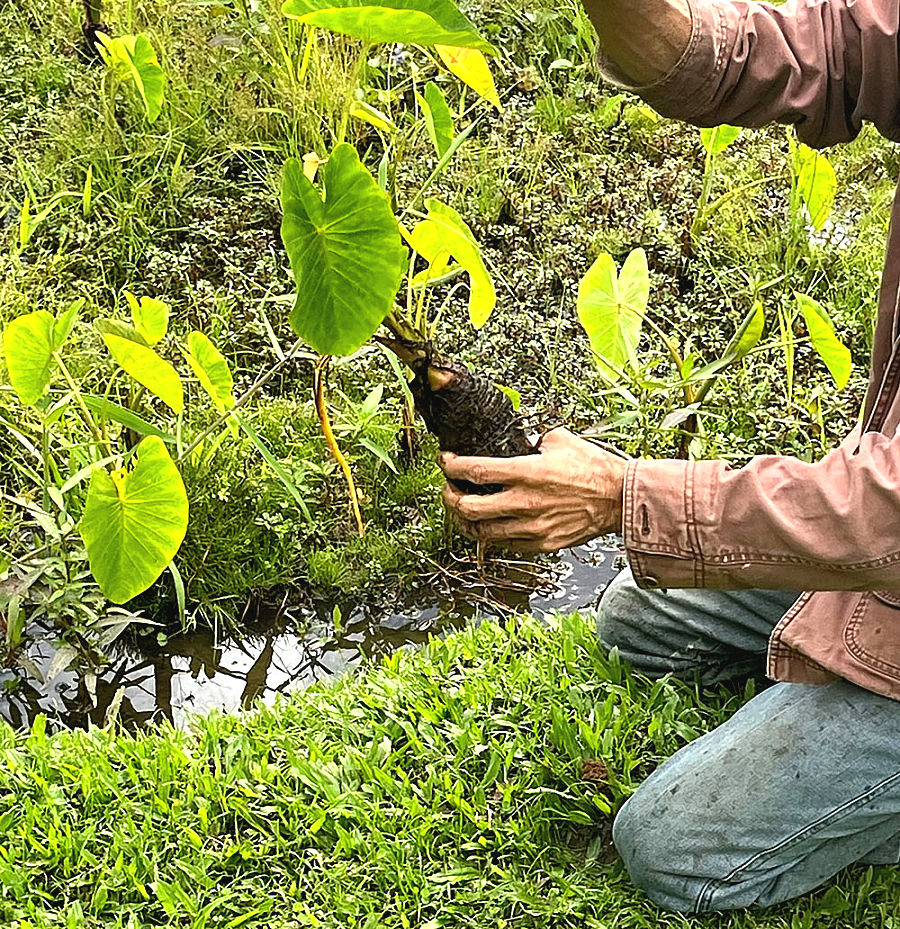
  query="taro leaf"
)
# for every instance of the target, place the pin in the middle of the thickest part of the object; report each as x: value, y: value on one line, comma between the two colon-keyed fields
x: 816, y: 184
x: 612, y: 307
x: 831, y: 350
x: 63, y: 325
x: 753, y: 333
x: 134, y: 522
x: 28, y: 346
x: 368, y: 114
x: 150, y: 317
x: 471, y: 67
x: 117, y: 327
x: 445, y: 231
x: 147, y: 368
x: 212, y: 371
x: 132, y: 57
x: 438, y: 120
x: 716, y: 140
x: 346, y: 253
x: 408, y: 22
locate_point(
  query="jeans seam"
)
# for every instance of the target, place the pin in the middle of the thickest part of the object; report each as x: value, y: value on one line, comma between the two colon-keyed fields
x: 704, y: 897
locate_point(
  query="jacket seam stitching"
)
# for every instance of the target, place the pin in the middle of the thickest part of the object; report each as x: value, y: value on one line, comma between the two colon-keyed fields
x: 758, y: 558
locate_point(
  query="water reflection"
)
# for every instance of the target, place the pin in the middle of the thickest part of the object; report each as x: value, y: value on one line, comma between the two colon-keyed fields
x: 289, y: 646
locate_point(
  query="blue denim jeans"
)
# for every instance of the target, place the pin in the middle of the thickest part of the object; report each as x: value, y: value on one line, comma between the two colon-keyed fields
x: 801, y: 782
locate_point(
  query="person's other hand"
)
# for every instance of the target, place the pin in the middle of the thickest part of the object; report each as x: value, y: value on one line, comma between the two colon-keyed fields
x: 567, y: 494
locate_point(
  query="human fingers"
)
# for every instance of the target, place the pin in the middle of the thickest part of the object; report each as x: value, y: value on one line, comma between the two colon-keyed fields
x: 558, y: 437
x: 479, y: 470
x: 521, y: 535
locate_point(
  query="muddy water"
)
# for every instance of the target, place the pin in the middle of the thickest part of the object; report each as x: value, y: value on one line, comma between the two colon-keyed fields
x: 291, y: 645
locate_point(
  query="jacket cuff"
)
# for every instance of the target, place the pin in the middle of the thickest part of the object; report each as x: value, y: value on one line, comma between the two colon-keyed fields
x: 688, y: 89
x: 658, y: 521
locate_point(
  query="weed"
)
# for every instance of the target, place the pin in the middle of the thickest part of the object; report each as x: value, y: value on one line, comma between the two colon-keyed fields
x: 471, y: 784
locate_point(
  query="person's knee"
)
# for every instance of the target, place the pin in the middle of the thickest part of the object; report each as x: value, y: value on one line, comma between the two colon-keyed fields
x: 650, y: 850
x: 618, y: 614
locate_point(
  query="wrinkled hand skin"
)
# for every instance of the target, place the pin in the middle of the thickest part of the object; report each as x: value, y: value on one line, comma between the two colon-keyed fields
x: 571, y: 492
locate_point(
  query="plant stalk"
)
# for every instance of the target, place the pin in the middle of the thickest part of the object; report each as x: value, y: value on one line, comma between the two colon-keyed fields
x: 82, y: 406
x: 244, y: 398
x: 325, y: 421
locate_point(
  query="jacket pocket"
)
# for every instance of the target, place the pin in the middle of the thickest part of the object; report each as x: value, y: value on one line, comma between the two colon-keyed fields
x: 872, y: 634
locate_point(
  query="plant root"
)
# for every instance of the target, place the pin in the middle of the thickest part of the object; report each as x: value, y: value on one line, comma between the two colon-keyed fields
x: 319, y: 374
x: 467, y: 413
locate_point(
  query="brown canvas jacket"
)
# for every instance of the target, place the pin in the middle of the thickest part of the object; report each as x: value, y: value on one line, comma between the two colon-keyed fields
x: 832, y: 527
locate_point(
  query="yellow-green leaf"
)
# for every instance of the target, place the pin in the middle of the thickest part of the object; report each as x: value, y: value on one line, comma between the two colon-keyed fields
x: 150, y: 317
x: 816, y: 184
x: 471, y: 67
x: 211, y: 370
x: 147, y: 368
x: 446, y: 231
x: 612, y: 306
x: 515, y: 398
x: 134, y: 522
x: 408, y: 22
x: 831, y: 350
x: 28, y: 349
x: 753, y: 333
x: 132, y: 57
x: 438, y: 120
x: 368, y: 114
x: 716, y: 140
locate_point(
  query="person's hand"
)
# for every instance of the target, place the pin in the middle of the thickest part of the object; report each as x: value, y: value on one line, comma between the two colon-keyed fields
x: 567, y: 494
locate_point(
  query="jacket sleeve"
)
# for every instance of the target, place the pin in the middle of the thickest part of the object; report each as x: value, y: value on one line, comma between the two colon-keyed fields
x: 824, y: 66
x: 778, y: 522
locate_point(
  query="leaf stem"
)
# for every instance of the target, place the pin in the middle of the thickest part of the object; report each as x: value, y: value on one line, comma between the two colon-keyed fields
x: 322, y: 409
x: 85, y: 412
x: 244, y: 398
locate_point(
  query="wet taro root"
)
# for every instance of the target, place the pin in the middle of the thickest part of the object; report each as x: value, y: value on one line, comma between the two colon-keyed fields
x: 467, y: 413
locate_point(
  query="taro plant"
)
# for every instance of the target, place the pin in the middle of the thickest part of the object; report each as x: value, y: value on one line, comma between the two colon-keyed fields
x: 106, y: 469
x: 813, y: 188
x: 131, y: 62
x: 714, y: 141
x: 349, y: 253
x: 613, y: 308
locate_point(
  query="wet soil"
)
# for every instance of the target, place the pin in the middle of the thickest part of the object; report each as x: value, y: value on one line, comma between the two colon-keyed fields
x: 291, y: 645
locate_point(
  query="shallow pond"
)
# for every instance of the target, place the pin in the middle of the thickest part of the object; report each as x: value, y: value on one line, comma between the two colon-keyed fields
x: 292, y: 645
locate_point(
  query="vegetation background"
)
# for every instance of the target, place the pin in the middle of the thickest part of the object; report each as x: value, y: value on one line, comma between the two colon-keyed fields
x: 447, y: 788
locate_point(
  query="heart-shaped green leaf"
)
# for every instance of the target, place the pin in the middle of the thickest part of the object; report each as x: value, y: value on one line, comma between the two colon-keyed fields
x: 211, y: 370
x: 147, y: 368
x: 134, y: 522
x: 409, y: 22
x: 132, y: 57
x: 831, y: 350
x: 150, y: 317
x: 346, y: 253
x: 28, y: 346
x: 612, y: 306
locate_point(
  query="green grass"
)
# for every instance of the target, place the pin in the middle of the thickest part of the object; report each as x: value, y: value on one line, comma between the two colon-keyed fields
x: 439, y: 789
